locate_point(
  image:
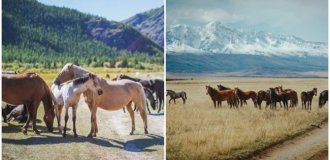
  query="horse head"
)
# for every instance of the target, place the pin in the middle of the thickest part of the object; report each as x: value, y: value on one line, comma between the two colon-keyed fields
x: 315, y: 91
x: 96, y: 83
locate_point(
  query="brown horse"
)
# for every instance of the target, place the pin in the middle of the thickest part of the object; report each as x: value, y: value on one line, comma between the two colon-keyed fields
x: 263, y: 96
x: 292, y: 96
x: 307, y: 97
x: 236, y: 99
x: 29, y: 89
x: 245, y: 95
x: 217, y: 95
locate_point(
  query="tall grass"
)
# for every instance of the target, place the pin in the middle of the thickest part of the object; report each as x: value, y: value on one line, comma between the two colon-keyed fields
x: 196, y: 130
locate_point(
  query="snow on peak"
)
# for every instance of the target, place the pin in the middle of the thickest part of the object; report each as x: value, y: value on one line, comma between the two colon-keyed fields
x: 215, y: 38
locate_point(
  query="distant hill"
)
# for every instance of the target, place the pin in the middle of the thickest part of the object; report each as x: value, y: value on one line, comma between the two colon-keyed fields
x: 37, y: 33
x: 150, y: 23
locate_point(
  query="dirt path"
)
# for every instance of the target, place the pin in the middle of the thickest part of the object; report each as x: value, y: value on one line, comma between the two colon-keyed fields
x: 112, y: 142
x: 301, y: 147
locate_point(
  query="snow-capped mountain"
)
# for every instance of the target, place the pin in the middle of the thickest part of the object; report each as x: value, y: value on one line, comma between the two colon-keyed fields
x: 217, y: 38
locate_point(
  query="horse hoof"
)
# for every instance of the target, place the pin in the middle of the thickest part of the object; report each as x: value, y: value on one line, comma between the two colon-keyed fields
x: 64, y: 135
x: 75, y: 136
x: 131, y: 133
x: 90, y: 136
x: 146, y: 132
x: 24, y: 132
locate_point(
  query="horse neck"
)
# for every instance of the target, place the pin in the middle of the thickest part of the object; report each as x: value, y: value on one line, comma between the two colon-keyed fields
x: 47, y: 101
x: 80, y: 88
x: 79, y: 72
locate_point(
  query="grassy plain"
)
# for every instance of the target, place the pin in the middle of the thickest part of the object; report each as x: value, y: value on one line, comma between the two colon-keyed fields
x: 196, y: 130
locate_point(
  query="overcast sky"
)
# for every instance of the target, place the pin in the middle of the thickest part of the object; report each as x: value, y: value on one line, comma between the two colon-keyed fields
x: 307, y: 19
x: 116, y: 10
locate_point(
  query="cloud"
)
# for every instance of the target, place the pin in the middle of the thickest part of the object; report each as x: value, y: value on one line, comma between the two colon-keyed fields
x: 304, y: 18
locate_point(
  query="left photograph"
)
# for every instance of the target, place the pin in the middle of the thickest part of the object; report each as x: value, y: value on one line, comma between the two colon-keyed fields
x: 82, y: 79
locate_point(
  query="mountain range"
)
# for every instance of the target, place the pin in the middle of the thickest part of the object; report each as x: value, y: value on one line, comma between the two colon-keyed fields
x: 216, y: 47
x: 36, y: 33
x: 149, y: 23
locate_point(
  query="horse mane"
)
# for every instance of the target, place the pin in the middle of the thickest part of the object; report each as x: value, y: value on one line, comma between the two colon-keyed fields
x: 168, y: 90
x: 80, y: 80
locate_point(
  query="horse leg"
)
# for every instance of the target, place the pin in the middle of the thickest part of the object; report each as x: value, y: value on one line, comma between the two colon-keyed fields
x: 66, y: 117
x: 74, y: 112
x: 34, y: 117
x: 144, y: 118
x: 124, y: 110
x: 184, y: 101
x: 214, y: 104
x: 26, y: 125
x: 58, y: 112
x: 131, y: 114
x: 160, y: 105
x: 169, y: 102
x: 174, y: 101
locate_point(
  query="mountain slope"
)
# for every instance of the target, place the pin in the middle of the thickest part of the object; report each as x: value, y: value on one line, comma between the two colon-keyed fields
x: 218, y: 38
x: 34, y: 33
x: 150, y: 23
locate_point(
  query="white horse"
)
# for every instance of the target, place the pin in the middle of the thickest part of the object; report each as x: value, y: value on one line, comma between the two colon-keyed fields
x: 116, y: 95
x: 68, y: 95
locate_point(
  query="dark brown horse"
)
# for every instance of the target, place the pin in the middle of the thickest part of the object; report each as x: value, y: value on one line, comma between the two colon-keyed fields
x: 323, y: 98
x: 155, y: 86
x: 292, y: 96
x: 29, y: 89
x: 245, y: 95
x: 263, y: 96
x: 277, y: 96
x: 217, y: 95
x: 307, y: 97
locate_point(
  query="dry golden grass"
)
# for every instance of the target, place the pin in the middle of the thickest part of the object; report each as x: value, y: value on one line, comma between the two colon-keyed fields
x: 196, y: 130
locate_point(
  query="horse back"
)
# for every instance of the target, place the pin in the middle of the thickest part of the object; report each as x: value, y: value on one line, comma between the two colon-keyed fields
x: 22, y: 88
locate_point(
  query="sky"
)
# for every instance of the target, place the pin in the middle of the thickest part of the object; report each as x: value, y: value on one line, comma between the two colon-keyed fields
x: 307, y: 19
x: 116, y: 10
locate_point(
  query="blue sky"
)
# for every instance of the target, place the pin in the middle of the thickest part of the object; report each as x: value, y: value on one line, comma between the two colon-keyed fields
x: 307, y: 19
x: 116, y: 10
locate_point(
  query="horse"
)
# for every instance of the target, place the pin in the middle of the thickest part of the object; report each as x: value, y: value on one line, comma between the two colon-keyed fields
x: 236, y: 100
x: 307, y: 97
x: 68, y: 95
x: 155, y: 85
x: 263, y: 96
x: 245, y: 95
x: 292, y: 96
x: 175, y: 95
x: 323, y: 98
x: 116, y: 95
x: 217, y: 95
x: 277, y: 96
x: 30, y: 89
x: 19, y: 113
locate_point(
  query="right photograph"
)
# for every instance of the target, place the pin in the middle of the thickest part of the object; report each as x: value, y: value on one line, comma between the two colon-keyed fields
x: 247, y: 79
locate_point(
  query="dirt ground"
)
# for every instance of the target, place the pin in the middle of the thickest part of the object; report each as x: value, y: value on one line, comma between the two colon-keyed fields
x: 301, y: 147
x: 112, y: 142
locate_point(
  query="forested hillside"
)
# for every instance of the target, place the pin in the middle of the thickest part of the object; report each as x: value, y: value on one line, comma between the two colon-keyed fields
x: 49, y: 36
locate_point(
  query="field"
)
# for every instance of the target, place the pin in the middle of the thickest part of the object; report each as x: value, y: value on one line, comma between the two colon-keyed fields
x: 196, y: 130
x: 112, y: 142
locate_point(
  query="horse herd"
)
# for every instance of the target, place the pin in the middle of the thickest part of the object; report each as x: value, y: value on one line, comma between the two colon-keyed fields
x: 237, y: 97
x: 30, y: 90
